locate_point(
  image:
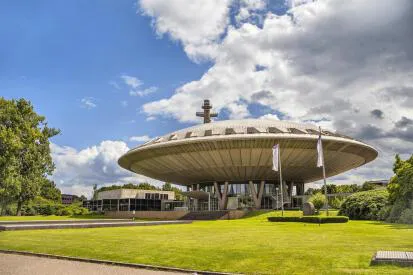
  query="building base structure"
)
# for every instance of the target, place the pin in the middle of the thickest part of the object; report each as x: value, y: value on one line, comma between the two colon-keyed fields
x: 230, y: 195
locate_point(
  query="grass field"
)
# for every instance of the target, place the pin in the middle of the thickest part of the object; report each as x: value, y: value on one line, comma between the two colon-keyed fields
x: 250, y: 245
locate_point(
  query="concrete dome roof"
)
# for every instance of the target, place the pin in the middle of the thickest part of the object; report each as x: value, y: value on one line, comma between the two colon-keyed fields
x: 239, y: 150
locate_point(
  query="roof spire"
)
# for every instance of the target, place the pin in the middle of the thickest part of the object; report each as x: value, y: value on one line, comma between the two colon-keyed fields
x: 206, y: 114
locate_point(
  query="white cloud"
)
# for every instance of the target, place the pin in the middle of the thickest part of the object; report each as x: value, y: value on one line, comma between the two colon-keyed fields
x: 132, y: 81
x: 270, y: 116
x: 143, y: 92
x: 329, y: 61
x: 195, y: 23
x: 140, y: 138
x: 249, y: 9
x: 238, y: 110
x: 114, y: 84
x: 78, y: 170
x: 135, y: 85
x: 124, y: 103
x: 88, y: 103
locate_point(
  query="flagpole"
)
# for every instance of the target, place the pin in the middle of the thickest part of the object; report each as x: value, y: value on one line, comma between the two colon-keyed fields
x: 281, y: 182
x: 324, y: 176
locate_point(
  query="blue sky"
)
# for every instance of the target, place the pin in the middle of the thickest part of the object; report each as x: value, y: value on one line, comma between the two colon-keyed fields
x: 56, y: 53
x: 112, y: 74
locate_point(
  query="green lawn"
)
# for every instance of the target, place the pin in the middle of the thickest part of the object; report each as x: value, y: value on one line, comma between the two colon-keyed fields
x: 250, y: 245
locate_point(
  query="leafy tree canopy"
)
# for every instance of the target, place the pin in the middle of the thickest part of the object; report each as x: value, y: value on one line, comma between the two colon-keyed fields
x: 25, y: 159
x: 48, y: 190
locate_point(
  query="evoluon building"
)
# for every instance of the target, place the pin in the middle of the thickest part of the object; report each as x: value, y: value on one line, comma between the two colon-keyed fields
x: 228, y: 164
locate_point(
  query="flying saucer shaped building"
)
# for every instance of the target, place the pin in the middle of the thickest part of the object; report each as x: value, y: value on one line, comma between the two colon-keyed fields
x: 229, y: 163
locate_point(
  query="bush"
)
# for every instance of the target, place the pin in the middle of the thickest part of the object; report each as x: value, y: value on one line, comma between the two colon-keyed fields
x: 42, y: 206
x: 318, y: 200
x: 310, y: 219
x: 406, y: 216
x: 365, y: 205
x: 284, y: 219
x: 27, y: 210
x: 336, y: 203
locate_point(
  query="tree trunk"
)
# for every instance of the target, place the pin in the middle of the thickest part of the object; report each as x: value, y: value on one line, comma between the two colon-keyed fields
x: 19, y: 208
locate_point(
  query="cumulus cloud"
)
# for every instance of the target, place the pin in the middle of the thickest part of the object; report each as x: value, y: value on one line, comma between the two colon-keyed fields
x: 78, y: 170
x: 139, y: 138
x: 196, y: 24
x: 88, y: 103
x: 335, y: 63
x: 270, y: 117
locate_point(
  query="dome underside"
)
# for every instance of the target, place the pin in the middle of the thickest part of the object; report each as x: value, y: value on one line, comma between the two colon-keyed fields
x: 249, y: 158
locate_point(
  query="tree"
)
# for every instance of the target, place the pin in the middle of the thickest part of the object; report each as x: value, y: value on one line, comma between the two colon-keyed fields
x: 368, y: 186
x: 318, y: 200
x: 400, y: 190
x: 24, y: 151
x: 167, y: 187
x: 48, y: 190
x: 147, y: 186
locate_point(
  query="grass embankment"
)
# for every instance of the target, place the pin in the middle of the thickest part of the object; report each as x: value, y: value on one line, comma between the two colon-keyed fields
x: 250, y: 245
x: 51, y: 217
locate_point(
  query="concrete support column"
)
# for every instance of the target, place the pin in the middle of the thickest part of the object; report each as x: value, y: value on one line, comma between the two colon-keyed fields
x: 256, y: 197
x: 290, y: 193
x: 300, y: 188
x: 222, y: 197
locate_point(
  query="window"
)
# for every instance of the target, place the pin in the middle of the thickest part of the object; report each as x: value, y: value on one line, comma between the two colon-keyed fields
x: 252, y: 130
x: 147, y: 196
x: 274, y: 130
x: 230, y: 131
x: 295, y: 131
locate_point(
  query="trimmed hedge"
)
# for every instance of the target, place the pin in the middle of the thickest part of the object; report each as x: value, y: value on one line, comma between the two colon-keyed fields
x: 310, y: 219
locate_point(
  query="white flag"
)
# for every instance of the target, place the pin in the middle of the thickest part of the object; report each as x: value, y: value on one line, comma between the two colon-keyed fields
x: 320, y: 159
x: 275, y: 156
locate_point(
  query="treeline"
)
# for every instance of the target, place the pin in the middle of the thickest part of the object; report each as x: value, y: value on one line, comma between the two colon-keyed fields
x: 143, y: 186
x: 336, y: 189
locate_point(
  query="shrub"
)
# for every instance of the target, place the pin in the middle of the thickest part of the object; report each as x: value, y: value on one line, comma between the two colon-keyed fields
x: 318, y: 200
x: 336, y: 203
x: 334, y: 219
x: 365, y: 205
x: 28, y: 210
x: 284, y: 219
x: 406, y: 216
x: 310, y: 219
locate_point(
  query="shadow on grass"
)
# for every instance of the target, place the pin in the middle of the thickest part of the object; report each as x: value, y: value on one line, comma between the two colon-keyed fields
x: 390, y: 225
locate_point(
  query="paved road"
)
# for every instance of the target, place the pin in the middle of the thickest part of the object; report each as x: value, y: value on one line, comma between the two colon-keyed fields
x: 11, y: 264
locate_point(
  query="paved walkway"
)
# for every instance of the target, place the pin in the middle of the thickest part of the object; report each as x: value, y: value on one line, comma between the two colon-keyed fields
x: 11, y: 264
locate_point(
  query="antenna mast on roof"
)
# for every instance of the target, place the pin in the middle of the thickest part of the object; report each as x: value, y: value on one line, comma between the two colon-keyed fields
x: 206, y: 114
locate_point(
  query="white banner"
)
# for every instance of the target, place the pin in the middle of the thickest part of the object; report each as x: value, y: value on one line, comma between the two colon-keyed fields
x: 275, y: 156
x: 320, y: 158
